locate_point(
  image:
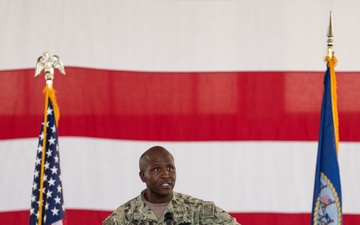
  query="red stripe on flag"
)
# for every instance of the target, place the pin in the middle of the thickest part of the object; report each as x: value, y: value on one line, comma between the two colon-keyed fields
x: 285, y: 218
x: 178, y: 106
x: 93, y: 217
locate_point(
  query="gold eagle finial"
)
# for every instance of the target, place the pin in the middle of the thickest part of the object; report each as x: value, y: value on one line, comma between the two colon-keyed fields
x: 48, y: 64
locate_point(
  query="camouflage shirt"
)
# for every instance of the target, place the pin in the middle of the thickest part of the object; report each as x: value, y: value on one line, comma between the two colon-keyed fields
x: 185, y: 210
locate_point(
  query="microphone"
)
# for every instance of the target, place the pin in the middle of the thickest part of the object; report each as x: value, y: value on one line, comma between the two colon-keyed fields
x: 169, y: 219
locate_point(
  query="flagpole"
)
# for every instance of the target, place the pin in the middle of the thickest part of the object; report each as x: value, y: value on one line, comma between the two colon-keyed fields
x: 330, y: 41
x: 49, y: 86
x: 331, y: 60
x: 47, y: 63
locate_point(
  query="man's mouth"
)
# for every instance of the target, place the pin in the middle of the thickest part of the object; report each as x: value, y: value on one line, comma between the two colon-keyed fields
x: 166, y: 185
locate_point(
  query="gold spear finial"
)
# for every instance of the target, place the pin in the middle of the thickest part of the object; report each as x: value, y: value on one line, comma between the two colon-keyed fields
x: 48, y: 63
x: 330, y: 41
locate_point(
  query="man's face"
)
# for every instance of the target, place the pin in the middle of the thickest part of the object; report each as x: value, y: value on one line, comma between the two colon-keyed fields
x: 159, y: 174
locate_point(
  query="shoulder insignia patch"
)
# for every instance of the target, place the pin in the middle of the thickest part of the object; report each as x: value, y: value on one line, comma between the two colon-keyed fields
x: 208, y: 210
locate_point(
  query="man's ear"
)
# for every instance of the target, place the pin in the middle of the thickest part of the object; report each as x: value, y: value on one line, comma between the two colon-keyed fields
x: 141, y: 175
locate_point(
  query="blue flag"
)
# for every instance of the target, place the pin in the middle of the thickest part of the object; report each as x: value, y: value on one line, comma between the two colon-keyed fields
x: 327, y: 202
x: 47, y: 204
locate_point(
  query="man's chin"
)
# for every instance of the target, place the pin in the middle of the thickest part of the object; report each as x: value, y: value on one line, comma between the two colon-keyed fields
x: 166, y: 192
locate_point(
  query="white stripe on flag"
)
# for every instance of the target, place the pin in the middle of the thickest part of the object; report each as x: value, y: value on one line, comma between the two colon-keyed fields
x: 180, y: 35
x: 245, y: 176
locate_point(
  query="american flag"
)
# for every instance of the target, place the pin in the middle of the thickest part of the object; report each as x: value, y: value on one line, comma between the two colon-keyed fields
x: 52, y: 203
x: 235, y: 84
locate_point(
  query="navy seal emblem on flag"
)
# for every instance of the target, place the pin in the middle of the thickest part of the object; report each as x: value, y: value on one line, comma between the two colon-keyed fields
x: 328, y: 206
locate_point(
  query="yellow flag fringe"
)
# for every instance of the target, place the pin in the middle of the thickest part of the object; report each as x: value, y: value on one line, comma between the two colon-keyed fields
x: 331, y: 64
x: 49, y: 94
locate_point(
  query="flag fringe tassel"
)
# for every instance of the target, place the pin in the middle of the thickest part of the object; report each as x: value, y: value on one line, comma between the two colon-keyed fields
x: 331, y: 64
x: 49, y: 94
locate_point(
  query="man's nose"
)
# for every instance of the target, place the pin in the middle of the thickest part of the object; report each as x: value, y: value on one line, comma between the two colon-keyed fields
x: 165, y: 173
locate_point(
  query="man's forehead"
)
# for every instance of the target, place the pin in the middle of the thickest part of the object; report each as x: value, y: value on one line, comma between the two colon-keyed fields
x: 155, y: 155
x: 168, y: 159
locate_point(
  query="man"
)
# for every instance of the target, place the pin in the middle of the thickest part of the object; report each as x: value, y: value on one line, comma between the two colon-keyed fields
x: 159, y: 204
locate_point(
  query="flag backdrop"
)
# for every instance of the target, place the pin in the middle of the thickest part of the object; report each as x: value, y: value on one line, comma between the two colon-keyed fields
x: 232, y: 88
x: 327, y: 202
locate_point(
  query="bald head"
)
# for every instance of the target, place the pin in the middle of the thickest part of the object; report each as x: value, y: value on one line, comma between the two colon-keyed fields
x: 151, y: 153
